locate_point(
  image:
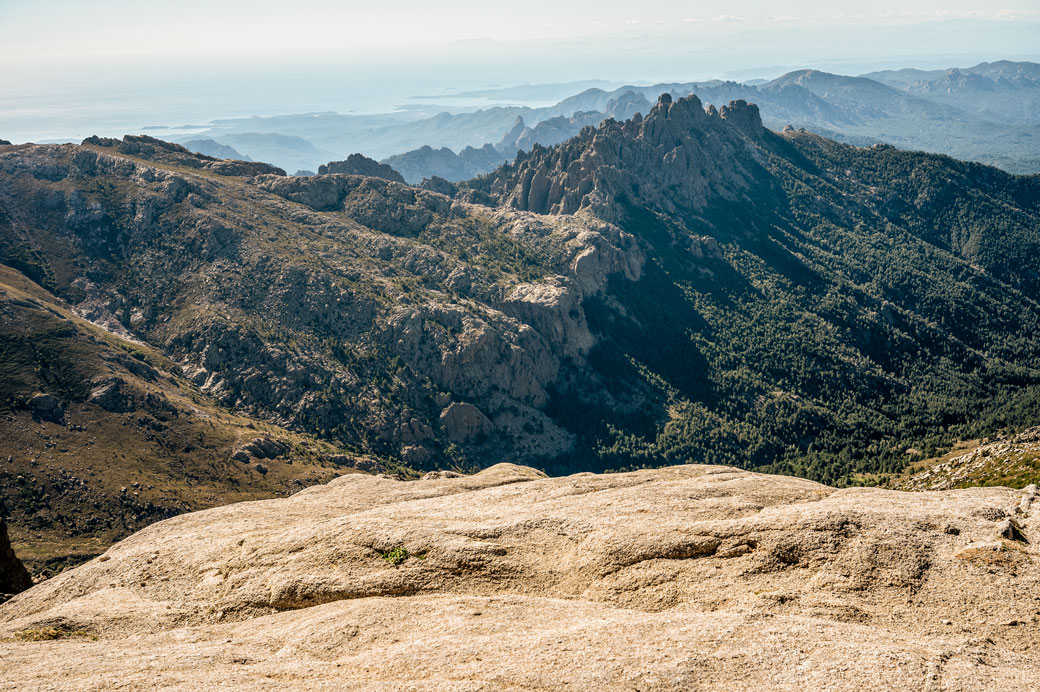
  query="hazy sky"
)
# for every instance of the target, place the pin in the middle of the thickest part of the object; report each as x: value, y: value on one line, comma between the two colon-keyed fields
x: 69, y: 67
x: 60, y: 29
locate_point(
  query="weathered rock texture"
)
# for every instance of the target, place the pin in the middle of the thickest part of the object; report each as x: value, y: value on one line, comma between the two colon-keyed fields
x: 683, y: 578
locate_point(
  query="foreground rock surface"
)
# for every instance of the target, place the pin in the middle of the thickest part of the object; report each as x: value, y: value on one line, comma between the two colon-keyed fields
x: 683, y: 578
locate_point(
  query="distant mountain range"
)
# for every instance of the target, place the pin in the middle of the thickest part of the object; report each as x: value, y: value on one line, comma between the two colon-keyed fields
x: 987, y: 113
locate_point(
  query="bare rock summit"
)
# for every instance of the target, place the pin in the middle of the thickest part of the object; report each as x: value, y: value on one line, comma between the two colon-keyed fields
x: 680, y: 578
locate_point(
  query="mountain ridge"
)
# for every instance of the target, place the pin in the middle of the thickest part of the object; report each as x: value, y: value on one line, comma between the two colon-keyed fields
x: 815, y: 308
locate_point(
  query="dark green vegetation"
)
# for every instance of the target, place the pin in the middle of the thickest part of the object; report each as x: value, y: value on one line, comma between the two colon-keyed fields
x: 860, y: 303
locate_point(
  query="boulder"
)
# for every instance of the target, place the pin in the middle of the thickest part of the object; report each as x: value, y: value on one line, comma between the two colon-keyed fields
x: 111, y: 394
x: 47, y: 407
x: 415, y: 455
x: 265, y: 448
x: 464, y: 422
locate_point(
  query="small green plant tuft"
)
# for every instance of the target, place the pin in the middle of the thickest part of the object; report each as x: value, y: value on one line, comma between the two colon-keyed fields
x: 396, y: 555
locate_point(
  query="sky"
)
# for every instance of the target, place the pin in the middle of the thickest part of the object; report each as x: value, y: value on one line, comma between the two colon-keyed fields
x: 64, y: 29
x: 102, y: 65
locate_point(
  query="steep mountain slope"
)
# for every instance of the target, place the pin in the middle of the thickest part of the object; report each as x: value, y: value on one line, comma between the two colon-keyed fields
x: 383, y: 317
x: 102, y: 435
x: 805, y: 304
x: 682, y: 578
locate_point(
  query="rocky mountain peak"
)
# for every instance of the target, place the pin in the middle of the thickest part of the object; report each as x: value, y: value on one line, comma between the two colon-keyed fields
x: 678, y: 155
x: 359, y: 164
x: 627, y: 105
x: 518, y: 128
x: 161, y: 151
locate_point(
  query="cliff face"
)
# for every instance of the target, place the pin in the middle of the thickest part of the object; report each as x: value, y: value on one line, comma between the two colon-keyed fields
x: 679, y: 578
x: 102, y: 434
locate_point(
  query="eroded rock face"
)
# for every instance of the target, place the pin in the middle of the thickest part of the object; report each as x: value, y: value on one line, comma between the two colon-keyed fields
x: 676, y: 578
x: 261, y: 448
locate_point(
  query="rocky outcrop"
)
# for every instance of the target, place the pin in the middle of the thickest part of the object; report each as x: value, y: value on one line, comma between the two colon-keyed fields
x: 675, y: 578
x: 47, y: 407
x: 243, y: 168
x: 113, y: 395
x: 1010, y: 460
x: 261, y: 448
x: 464, y: 422
x: 358, y: 164
x: 14, y: 578
x: 678, y: 156
x: 439, y: 185
x: 385, y: 206
x: 158, y: 150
